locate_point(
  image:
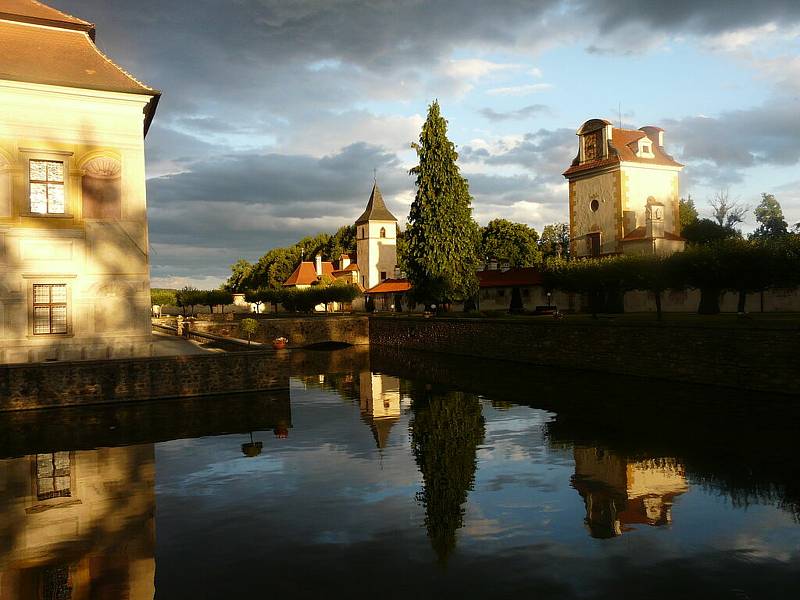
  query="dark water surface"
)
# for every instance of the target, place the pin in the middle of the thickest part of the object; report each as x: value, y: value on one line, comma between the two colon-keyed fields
x: 384, y: 475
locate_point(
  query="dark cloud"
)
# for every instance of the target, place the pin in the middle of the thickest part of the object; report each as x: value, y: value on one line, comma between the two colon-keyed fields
x: 765, y: 135
x: 513, y: 115
x: 708, y: 16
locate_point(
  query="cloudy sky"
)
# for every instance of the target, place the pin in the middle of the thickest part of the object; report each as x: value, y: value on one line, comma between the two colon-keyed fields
x: 276, y: 112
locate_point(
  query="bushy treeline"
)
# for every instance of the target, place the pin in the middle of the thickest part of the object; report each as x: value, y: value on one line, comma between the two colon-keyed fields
x: 275, y: 266
x: 737, y: 265
x: 303, y: 300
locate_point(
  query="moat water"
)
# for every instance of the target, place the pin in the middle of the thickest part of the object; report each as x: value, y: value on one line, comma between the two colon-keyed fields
x: 381, y: 474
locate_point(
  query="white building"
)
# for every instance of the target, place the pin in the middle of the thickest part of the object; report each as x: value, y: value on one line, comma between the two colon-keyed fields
x: 74, y: 268
x: 376, y: 241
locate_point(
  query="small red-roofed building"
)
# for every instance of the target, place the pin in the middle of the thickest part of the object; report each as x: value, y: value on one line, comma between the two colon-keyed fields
x: 623, y: 192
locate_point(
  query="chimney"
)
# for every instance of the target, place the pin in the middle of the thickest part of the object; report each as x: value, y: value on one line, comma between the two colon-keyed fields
x: 654, y: 219
x: 318, y: 265
x: 656, y: 134
x: 344, y: 261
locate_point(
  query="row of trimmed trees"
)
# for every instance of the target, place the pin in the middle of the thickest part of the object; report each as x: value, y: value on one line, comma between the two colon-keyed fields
x: 736, y: 265
x: 302, y: 300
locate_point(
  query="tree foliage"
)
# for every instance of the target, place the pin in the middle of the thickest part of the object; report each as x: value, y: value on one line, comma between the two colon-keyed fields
x: 275, y: 266
x: 769, y: 217
x: 706, y: 231
x: 515, y: 242
x: 442, y: 238
x: 688, y: 211
x: 162, y: 297
x: 554, y: 242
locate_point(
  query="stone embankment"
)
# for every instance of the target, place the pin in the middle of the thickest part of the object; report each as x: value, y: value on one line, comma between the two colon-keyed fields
x: 71, y: 383
x: 744, y: 357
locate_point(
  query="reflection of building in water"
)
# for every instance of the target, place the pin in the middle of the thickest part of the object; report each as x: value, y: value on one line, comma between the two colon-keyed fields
x: 379, y: 396
x: 78, y: 525
x: 619, y: 492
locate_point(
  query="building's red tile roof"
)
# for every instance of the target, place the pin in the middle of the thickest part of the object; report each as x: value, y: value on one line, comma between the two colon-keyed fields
x: 31, y: 11
x: 45, y: 46
x: 306, y: 273
x: 390, y: 286
x: 520, y: 276
x: 639, y: 234
x: 622, y: 148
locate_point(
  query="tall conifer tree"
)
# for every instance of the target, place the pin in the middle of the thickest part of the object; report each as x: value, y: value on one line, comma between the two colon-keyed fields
x: 441, y: 257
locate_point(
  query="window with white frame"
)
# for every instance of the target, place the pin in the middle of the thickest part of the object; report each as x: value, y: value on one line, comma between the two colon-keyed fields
x: 49, y: 308
x: 46, y: 179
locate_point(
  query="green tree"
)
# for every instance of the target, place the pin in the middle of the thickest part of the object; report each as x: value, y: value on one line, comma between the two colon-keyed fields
x: 706, y: 231
x: 248, y: 327
x: 446, y: 430
x: 515, y: 242
x: 441, y: 257
x: 240, y: 271
x: 554, y: 242
x: 162, y: 297
x: 769, y: 216
x: 688, y: 211
x: 188, y: 297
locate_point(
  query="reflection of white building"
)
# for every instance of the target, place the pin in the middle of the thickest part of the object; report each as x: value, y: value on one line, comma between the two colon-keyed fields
x: 380, y: 404
x: 78, y: 524
x: 618, y: 492
x: 74, y: 273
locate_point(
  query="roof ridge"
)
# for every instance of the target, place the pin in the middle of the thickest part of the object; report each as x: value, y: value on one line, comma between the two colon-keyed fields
x: 120, y: 69
x: 61, y: 12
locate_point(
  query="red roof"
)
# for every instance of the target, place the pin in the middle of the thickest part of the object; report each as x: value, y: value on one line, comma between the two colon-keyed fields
x: 45, y: 46
x: 306, y: 273
x: 390, y: 286
x: 520, y: 276
x: 622, y: 147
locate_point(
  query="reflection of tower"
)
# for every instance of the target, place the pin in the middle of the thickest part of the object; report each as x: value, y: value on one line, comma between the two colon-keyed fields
x: 380, y: 404
x: 618, y: 492
x: 78, y: 524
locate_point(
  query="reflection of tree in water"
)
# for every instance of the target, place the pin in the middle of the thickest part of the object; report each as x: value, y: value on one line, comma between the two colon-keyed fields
x: 446, y: 430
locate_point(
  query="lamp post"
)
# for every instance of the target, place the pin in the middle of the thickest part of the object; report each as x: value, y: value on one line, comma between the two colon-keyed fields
x: 548, y: 299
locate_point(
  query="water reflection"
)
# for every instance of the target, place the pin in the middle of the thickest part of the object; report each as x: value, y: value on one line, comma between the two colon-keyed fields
x: 78, y: 524
x: 448, y: 475
x: 619, y: 493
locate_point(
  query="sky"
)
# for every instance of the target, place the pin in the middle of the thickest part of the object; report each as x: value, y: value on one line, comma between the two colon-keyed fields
x: 276, y: 113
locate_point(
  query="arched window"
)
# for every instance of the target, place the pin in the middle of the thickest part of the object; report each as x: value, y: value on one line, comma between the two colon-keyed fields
x: 102, y: 189
x: 383, y: 232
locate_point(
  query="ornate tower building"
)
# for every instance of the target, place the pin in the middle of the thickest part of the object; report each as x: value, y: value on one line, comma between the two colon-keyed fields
x: 376, y: 241
x: 623, y: 192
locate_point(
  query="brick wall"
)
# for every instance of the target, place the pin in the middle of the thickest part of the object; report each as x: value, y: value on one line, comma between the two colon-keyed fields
x: 745, y: 357
x: 64, y: 383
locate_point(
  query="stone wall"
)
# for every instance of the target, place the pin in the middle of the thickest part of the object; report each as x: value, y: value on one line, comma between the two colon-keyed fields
x: 300, y: 331
x: 746, y: 356
x: 30, y: 386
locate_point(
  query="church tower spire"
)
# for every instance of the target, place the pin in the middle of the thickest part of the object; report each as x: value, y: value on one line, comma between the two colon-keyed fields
x: 376, y: 241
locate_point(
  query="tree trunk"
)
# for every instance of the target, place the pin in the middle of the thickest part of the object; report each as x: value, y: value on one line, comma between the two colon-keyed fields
x: 709, y: 301
x: 742, y: 300
x: 658, y: 304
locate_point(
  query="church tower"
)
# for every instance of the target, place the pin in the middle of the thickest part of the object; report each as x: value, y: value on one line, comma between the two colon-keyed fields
x: 623, y: 192
x: 376, y: 241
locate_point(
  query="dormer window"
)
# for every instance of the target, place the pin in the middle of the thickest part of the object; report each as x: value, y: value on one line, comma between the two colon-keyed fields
x: 645, y: 149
